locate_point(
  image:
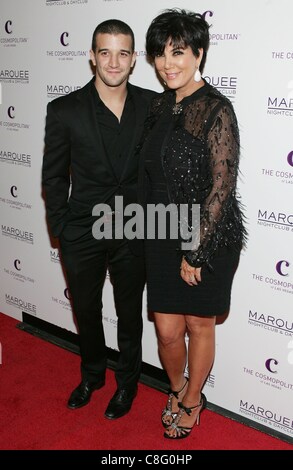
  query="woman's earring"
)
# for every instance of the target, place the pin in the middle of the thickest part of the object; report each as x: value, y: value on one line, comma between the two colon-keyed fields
x: 197, y: 76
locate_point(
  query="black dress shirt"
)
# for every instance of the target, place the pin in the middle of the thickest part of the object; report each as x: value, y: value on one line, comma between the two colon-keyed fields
x: 116, y: 135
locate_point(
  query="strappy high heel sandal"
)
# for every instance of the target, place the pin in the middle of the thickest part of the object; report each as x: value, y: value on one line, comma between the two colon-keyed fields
x: 168, y: 415
x: 181, y: 432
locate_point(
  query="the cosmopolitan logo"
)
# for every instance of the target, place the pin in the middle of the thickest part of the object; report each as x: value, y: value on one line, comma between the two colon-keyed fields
x: 288, y: 55
x: 282, y: 283
x: 12, y: 124
x: 277, y: 220
x: 65, y: 52
x: 10, y: 37
x: 110, y: 320
x: 59, y: 3
x: 14, y: 201
x: 16, y: 272
x: 54, y: 91
x: 54, y: 256
x: 221, y: 36
x: 63, y: 301
x: 280, y: 106
x: 270, y: 417
x: 269, y: 376
x: 226, y: 85
x: 15, y: 158
x: 14, y: 76
x: 284, y: 175
x: 17, y: 234
x: 21, y: 304
x: 270, y: 322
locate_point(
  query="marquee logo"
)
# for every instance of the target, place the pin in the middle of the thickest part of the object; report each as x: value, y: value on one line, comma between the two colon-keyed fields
x: 14, y: 76
x: 20, y: 303
x: 59, y: 3
x: 267, y: 416
x: 273, y: 219
x: 15, y: 158
x: 282, y: 106
x: 17, y: 234
x: 13, y: 125
x: 54, y: 91
x: 15, y: 272
x: 15, y: 202
x: 270, y: 322
x: 284, y: 175
x: 226, y: 85
x: 9, y: 40
x: 54, y: 256
x: 66, y: 53
x: 210, y: 382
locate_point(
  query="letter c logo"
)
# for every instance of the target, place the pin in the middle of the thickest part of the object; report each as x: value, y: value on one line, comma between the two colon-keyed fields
x: 268, y: 365
x: 290, y: 158
x: 66, y: 293
x: 207, y: 13
x: 8, y: 24
x: 279, y: 267
x: 63, y: 37
x: 17, y: 264
x: 13, y: 189
x: 10, y: 112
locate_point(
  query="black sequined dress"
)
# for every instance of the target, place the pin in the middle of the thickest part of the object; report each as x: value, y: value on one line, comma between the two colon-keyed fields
x: 190, y: 156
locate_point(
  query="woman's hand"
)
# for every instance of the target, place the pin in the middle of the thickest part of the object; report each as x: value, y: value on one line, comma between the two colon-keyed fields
x: 192, y: 276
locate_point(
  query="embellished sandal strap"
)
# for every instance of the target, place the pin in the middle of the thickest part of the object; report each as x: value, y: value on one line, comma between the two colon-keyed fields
x: 175, y: 393
x: 188, y: 410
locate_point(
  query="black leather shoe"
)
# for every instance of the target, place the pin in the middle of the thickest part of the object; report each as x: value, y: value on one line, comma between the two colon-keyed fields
x: 82, y: 394
x: 120, y: 403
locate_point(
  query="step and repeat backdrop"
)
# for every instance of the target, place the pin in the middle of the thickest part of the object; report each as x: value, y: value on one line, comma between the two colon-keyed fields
x: 44, y: 51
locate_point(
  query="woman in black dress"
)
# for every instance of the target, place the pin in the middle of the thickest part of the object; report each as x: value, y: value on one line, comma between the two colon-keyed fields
x: 189, y: 156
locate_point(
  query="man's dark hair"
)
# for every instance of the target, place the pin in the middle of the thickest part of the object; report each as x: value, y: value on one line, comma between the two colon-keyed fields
x: 113, y: 27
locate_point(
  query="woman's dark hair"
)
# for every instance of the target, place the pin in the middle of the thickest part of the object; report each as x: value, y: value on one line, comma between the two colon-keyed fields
x: 181, y: 28
x: 113, y: 27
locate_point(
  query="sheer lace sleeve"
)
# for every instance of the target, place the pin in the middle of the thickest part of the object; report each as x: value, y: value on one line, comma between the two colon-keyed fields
x: 220, y: 210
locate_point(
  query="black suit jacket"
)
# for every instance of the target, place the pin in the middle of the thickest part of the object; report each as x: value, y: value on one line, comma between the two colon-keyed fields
x: 74, y: 153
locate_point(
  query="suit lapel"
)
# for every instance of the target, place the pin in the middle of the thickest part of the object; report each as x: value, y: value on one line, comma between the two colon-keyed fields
x: 140, y: 115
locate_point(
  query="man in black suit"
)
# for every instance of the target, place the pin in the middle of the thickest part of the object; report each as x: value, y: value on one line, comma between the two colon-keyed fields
x: 91, y: 136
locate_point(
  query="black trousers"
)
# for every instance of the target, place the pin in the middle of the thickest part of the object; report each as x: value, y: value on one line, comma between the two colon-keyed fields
x: 86, y: 261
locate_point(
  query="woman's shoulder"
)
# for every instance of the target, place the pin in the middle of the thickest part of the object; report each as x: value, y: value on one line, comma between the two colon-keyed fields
x: 217, y: 99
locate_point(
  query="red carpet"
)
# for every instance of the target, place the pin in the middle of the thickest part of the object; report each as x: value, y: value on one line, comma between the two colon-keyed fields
x: 36, y: 379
